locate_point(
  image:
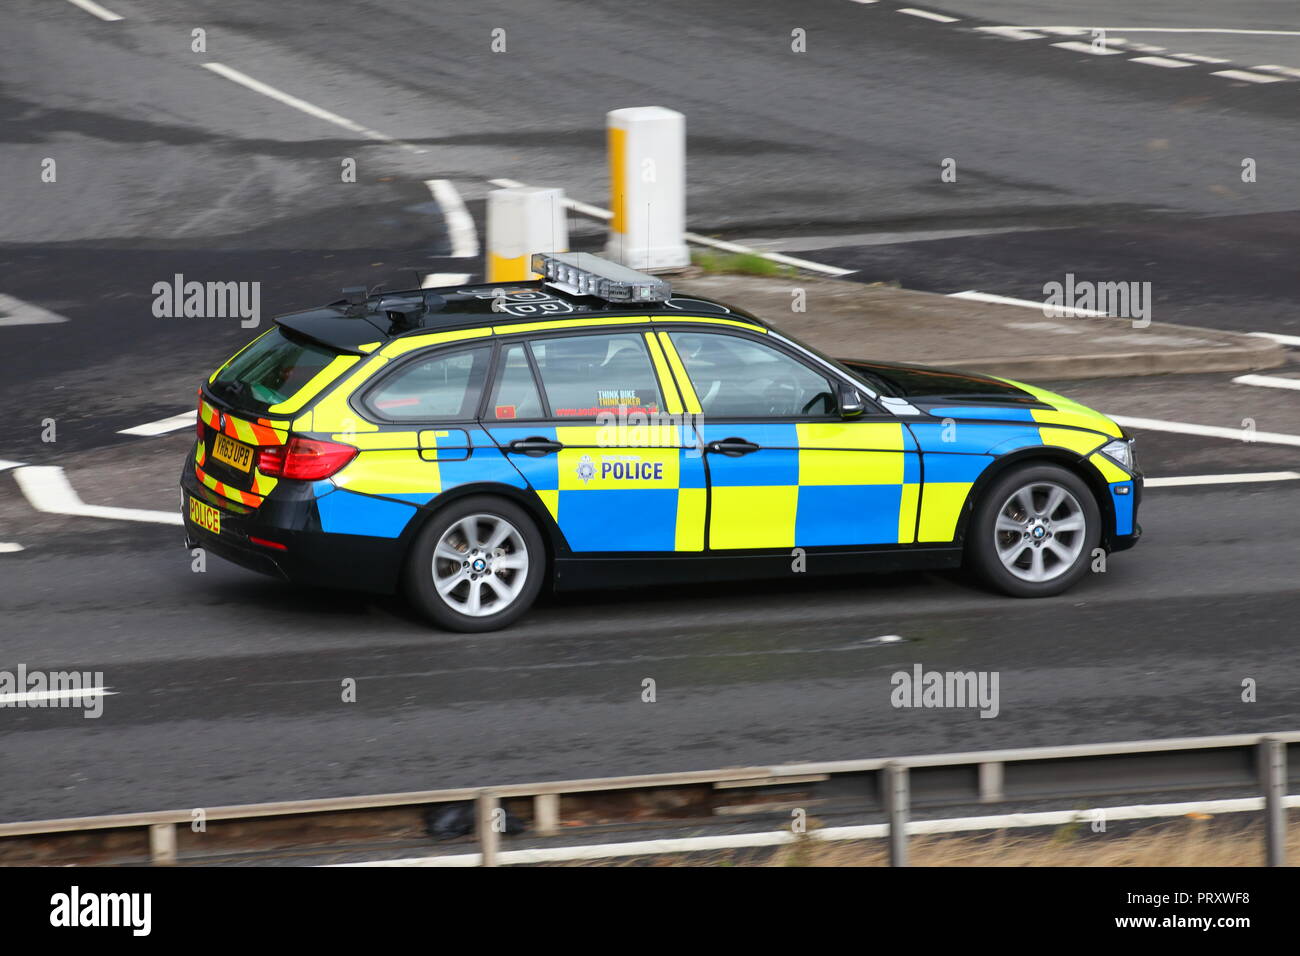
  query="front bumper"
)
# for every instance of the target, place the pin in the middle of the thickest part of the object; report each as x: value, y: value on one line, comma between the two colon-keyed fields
x: 289, y: 517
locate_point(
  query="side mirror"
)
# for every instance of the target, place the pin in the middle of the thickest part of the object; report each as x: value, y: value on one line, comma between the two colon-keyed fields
x: 850, y: 401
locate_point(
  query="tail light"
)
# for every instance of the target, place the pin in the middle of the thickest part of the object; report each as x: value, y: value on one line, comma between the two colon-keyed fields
x: 306, y: 459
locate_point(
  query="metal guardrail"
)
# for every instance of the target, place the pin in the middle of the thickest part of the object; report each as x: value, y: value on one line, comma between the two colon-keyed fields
x: 895, y: 785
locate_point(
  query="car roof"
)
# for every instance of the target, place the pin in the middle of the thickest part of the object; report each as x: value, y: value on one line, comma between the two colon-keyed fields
x: 347, y: 324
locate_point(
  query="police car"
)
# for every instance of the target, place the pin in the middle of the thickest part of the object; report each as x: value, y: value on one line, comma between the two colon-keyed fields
x: 469, y: 445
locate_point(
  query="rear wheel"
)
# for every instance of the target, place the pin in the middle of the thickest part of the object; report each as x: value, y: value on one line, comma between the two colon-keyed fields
x: 1033, y: 532
x: 477, y: 565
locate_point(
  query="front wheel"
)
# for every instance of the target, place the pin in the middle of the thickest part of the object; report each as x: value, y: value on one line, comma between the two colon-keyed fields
x: 477, y: 565
x: 1033, y: 531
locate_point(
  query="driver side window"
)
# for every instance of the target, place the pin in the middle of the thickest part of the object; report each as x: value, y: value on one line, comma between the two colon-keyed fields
x: 735, y: 377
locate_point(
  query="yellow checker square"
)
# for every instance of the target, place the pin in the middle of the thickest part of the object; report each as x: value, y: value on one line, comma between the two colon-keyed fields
x: 907, y: 514
x: 390, y: 473
x: 886, y: 436
x: 850, y: 467
x: 691, y: 503
x: 1082, y: 442
x: 753, y: 516
x: 941, y: 505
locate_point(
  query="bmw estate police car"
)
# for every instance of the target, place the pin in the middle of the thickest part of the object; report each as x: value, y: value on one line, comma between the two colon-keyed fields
x: 468, y: 445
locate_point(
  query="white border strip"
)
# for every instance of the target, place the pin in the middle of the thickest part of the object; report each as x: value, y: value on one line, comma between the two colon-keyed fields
x: 1283, y: 339
x: 926, y: 14
x: 460, y: 224
x: 1268, y: 381
x: 1248, y: 77
x: 257, y: 86
x: 91, y: 7
x: 1206, y: 431
x: 831, y: 834
x: 163, y: 425
x: 33, y: 695
x: 595, y: 212
x: 1242, y: 478
x: 47, y: 489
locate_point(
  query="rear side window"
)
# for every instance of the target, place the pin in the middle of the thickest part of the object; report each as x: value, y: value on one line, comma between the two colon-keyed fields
x: 440, y: 387
x: 584, y: 375
x: 270, y: 371
x: 515, y: 393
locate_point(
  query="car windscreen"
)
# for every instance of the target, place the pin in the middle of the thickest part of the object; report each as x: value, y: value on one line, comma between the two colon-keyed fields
x: 270, y: 371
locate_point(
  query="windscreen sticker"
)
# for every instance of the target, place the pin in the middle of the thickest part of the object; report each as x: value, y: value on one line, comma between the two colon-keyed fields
x: 505, y: 411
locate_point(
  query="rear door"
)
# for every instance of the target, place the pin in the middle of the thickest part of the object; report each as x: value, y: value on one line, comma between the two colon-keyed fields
x: 784, y: 469
x: 588, y: 419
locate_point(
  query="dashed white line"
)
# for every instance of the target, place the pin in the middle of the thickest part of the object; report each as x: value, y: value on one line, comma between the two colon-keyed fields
x: 17, y: 312
x: 257, y: 86
x: 6, y: 465
x: 1198, y: 58
x: 10, y: 547
x: 1206, y: 431
x: 47, y: 489
x: 436, y: 280
x: 35, y: 695
x: 91, y: 7
x: 163, y: 425
x: 1280, y: 33
x: 1243, y: 478
x: 1011, y: 33
x: 460, y: 225
x: 926, y: 14
x: 1268, y: 381
x: 1284, y: 339
x: 1078, y: 47
x: 1284, y: 70
x: 1248, y: 77
x: 1160, y: 61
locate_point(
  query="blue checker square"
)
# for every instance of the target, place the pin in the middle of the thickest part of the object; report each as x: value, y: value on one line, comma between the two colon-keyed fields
x: 847, y: 514
x: 618, y: 520
x: 483, y: 464
x: 955, y: 467
x: 347, y: 512
x: 911, y: 469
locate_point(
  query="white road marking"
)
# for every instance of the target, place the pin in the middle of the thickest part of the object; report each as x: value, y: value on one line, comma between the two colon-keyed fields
x: 1069, y: 313
x: 6, y: 465
x: 257, y: 86
x: 1284, y: 339
x: 1268, y: 381
x: 32, y: 695
x: 1011, y: 33
x: 436, y: 280
x: 936, y: 17
x: 17, y: 312
x: 1198, y: 58
x: 864, y: 1
x: 596, y: 212
x: 1279, y: 33
x: 10, y: 547
x: 1078, y: 47
x: 1206, y: 431
x: 163, y: 425
x: 1160, y: 61
x: 1145, y: 48
x: 1223, y: 479
x: 47, y: 489
x: 91, y: 7
x: 1248, y: 77
x: 460, y: 224
x: 1284, y: 70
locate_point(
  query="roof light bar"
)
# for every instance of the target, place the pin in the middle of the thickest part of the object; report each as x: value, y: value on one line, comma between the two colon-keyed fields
x: 581, y: 273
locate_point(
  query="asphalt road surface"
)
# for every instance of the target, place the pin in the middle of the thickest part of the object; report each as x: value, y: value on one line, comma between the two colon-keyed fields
x: 227, y: 686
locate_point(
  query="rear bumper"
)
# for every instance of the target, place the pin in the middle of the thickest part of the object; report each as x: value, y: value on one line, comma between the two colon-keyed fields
x: 289, y: 518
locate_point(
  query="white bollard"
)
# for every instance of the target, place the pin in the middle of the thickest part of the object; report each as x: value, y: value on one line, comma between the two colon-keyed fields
x: 647, y: 186
x: 521, y: 221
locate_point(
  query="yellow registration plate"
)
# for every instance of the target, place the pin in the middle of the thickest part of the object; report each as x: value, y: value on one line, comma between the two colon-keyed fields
x: 205, y: 516
x: 233, y: 453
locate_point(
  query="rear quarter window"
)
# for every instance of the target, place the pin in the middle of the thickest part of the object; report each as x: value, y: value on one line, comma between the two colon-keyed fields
x: 270, y: 371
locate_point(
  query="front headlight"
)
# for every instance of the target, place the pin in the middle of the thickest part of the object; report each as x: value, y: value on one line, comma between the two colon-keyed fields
x: 1121, y: 450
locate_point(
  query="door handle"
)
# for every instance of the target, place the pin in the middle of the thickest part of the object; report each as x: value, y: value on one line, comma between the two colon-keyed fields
x: 731, y: 447
x: 534, y: 447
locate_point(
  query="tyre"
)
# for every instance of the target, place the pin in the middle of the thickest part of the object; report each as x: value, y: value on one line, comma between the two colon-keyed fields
x: 476, y: 566
x: 1033, y: 531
